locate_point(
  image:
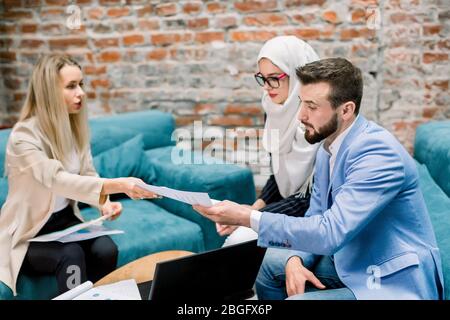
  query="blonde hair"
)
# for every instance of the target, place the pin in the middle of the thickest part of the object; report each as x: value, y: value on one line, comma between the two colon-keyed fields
x: 45, y: 101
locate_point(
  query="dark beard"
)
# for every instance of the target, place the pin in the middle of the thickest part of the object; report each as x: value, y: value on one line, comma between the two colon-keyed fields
x: 324, y: 132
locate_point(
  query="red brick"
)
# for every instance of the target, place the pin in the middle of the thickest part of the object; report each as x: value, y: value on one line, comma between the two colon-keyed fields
x: 359, y: 16
x: 100, y: 83
x: 327, y: 32
x: 205, y: 108
x: 91, y: 95
x: 429, y: 112
x: 200, y: 23
x: 365, y: 3
x: 144, y: 11
x: 67, y: 42
x: 84, y: 1
x: 157, y: 54
x: 134, y: 39
x: 106, y: 42
x: 215, y: 7
x: 168, y: 9
x: 53, y: 28
x: 148, y: 24
x: 255, y: 5
x: 192, y: 7
x: 298, y: 3
x: 10, y: 83
x: 441, y: 84
x: 95, y: 13
x: 169, y: 38
x: 231, y: 121
x: 109, y: 56
x: 243, y: 109
x: 19, y: 96
x: 57, y: 2
x: 431, y: 30
x: 349, y: 34
x: 259, y: 36
x: 16, y: 15
x: 209, y: 36
x: 53, y: 13
x: 93, y: 70
x: 10, y: 4
x: 430, y: 57
x: 32, y: 3
x: 118, y: 12
x: 304, y: 18
x: 31, y: 43
x: 28, y: 28
x: 331, y: 17
x: 305, y: 33
x: 186, y: 120
x: 264, y: 19
x: 7, y: 28
x: 110, y: 2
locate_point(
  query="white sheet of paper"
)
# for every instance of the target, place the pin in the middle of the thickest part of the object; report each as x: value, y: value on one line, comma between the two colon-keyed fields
x: 54, y: 236
x: 192, y: 198
x: 127, y: 288
x: 72, y: 293
x: 88, y: 233
x: 122, y: 290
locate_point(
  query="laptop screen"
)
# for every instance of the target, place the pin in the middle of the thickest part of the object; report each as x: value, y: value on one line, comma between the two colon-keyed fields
x: 226, y: 273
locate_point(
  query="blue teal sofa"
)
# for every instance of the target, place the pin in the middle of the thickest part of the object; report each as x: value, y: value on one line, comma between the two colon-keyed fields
x: 140, y: 144
x: 432, y: 152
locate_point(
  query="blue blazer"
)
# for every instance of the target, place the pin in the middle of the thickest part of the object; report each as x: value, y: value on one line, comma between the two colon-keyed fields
x: 371, y: 217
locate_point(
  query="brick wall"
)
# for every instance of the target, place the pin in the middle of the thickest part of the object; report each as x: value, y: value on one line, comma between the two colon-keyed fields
x: 196, y: 59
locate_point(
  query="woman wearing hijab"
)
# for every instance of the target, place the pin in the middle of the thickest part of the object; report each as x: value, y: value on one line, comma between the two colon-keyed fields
x: 287, y: 191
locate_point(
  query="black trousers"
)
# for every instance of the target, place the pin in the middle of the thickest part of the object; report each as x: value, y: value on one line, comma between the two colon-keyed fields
x: 72, y: 263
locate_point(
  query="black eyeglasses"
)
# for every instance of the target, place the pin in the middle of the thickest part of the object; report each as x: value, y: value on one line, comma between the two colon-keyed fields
x: 273, y: 82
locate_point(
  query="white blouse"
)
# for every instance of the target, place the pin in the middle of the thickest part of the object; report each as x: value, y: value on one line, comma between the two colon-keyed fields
x: 73, y: 167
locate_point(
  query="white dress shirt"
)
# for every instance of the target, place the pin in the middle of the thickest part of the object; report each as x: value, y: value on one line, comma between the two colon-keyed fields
x: 73, y: 167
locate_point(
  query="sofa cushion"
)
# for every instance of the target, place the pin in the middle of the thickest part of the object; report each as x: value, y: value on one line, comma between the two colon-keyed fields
x: 126, y: 160
x: 3, y: 190
x: 105, y: 138
x: 4, y: 135
x: 438, y: 204
x: 220, y: 181
x: 156, y: 126
x: 432, y: 148
x: 148, y: 229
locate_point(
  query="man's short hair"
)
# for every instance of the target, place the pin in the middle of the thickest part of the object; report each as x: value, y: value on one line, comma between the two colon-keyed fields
x: 344, y: 78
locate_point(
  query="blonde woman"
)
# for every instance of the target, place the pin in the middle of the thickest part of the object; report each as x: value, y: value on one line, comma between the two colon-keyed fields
x: 49, y: 168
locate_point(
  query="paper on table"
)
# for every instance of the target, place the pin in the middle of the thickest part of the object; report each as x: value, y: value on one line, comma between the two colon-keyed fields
x: 72, y: 293
x: 127, y: 288
x: 193, y: 198
x: 122, y: 290
x: 54, y: 236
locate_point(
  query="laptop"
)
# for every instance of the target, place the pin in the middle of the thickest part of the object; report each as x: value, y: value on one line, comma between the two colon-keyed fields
x: 227, y: 273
